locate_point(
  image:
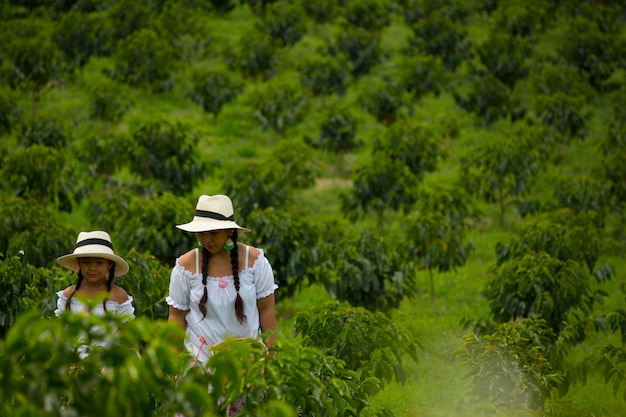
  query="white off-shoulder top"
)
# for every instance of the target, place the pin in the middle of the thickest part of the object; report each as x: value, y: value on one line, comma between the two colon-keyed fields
x: 255, y: 281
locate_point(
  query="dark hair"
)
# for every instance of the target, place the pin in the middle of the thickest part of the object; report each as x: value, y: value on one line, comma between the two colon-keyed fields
x: 234, y: 261
x: 80, y: 281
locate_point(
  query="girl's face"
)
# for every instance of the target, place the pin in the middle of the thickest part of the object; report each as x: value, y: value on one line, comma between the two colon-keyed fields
x: 214, y: 240
x: 94, y: 269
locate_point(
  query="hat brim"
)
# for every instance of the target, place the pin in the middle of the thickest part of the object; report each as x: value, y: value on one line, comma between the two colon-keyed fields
x: 208, y: 225
x: 71, y: 261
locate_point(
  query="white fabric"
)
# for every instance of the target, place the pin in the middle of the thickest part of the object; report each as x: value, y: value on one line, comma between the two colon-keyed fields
x: 112, y: 306
x: 186, y: 290
x: 77, y: 306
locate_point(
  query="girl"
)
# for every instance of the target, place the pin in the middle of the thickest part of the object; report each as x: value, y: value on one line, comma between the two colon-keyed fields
x: 222, y: 288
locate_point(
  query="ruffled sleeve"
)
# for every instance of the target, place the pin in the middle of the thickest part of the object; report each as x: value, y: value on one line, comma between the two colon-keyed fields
x: 61, y: 302
x: 263, y: 277
x: 127, y: 308
x: 179, y: 288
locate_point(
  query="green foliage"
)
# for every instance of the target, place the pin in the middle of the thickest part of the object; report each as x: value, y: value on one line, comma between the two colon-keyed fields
x: 46, y: 131
x: 422, y: 74
x: 440, y: 36
x: 368, y: 342
x: 34, y: 172
x: 436, y: 241
x: 554, y: 78
x: 255, y: 55
x: 522, y: 18
x: 498, y: 170
x: 185, y: 29
x: 338, y: 131
x: 371, y: 15
x: 10, y: 111
x: 412, y: 143
x: 483, y: 94
x: 213, y: 88
x: 144, y: 59
x: 451, y: 200
x: 557, y: 291
x: 284, y: 21
x: 593, y: 51
x: 291, y: 245
x: 510, y: 368
x: 324, y: 75
x: 127, y: 18
x: 359, y: 47
x: 566, y: 115
x: 22, y: 287
x: 416, y: 10
x: 223, y: 6
x: 385, y: 101
x: 77, y: 35
x: 380, y: 185
x: 110, y: 101
x: 147, y: 281
x: 367, y: 273
x: 505, y: 56
x: 564, y: 235
x: 166, y: 151
x: 279, y: 104
x: 584, y: 194
x: 321, y: 11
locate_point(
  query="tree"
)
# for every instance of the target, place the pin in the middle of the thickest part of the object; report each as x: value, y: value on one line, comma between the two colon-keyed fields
x: 166, y: 151
x: 385, y: 101
x: 505, y: 56
x: 77, y: 35
x: 213, y: 88
x: 279, y: 104
x: 255, y: 55
x: 379, y: 185
x: 498, y: 170
x: 359, y: 47
x: 566, y: 115
x: 143, y: 59
x: 284, y: 22
x: 422, y: 74
x: 371, y: 15
x: 110, y: 101
x: 324, y: 75
x: 436, y: 241
x: 366, y: 273
x: 321, y: 11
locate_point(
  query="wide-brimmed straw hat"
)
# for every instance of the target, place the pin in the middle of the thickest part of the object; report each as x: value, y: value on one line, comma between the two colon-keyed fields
x: 95, y: 244
x: 213, y: 212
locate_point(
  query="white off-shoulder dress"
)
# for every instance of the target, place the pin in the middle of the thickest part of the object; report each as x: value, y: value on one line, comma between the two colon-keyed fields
x: 76, y: 306
x: 256, y: 281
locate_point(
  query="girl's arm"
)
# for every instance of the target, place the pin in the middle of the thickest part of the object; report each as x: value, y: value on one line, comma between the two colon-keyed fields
x: 267, y: 317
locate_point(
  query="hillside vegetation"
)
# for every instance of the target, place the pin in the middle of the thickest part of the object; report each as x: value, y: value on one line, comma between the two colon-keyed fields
x: 457, y: 168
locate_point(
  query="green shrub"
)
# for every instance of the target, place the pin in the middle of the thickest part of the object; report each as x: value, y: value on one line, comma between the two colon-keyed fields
x: 279, y: 104
x: 109, y: 101
x: 359, y: 47
x: 284, y: 22
x: 213, y: 88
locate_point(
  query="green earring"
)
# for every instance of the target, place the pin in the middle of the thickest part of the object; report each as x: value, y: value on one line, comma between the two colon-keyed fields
x: 229, y: 244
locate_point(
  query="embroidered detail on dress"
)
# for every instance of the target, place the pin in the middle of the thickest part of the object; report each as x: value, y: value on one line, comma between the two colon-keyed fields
x: 224, y: 284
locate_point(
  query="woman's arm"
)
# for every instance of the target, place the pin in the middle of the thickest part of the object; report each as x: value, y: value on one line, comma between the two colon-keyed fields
x: 179, y: 317
x: 267, y: 317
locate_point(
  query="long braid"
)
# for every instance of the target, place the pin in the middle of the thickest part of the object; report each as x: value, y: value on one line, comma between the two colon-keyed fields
x: 205, y: 271
x: 78, y: 282
x: 234, y: 260
x: 109, y: 283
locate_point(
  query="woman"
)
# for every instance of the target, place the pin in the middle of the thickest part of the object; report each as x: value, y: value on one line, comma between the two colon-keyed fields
x: 223, y: 287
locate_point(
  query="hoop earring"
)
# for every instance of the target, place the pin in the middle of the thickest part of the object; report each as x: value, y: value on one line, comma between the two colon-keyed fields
x: 229, y: 244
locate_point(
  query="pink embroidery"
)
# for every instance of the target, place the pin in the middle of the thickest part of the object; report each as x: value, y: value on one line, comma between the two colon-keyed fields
x: 223, y: 284
x: 203, y: 342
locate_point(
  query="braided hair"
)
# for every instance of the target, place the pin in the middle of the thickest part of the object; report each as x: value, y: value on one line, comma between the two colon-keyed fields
x: 80, y: 281
x: 234, y: 261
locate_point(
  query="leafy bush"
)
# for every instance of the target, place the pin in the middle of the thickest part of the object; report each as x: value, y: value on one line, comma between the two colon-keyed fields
x: 385, y: 101
x: 255, y: 54
x: 324, y: 75
x: 166, y: 151
x: 359, y: 47
x: 371, y: 15
x: 284, y: 22
x: 521, y: 17
x: 368, y: 342
x: 214, y: 88
x: 505, y: 56
x: 566, y: 115
x: 338, y: 131
x: 279, y: 104
x: 78, y: 36
x: 144, y: 59
x: 366, y: 273
x: 422, y: 74
x: 10, y: 111
x: 46, y: 131
x: 109, y: 100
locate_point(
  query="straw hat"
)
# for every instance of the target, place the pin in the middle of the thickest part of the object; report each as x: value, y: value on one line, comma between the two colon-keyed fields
x: 213, y: 212
x: 95, y: 244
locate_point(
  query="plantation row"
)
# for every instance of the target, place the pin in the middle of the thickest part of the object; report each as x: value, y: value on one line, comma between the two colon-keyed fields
x: 270, y: 97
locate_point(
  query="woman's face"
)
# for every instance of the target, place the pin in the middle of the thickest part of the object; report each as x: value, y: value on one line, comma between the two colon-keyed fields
x: 94, y: 269
x: 214, y: 240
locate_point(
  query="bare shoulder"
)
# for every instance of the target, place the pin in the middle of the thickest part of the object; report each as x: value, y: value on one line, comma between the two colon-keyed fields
x: 118, y: 294
x: 69, y: 290
x: 253, y: 254
x: 188, y: 260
